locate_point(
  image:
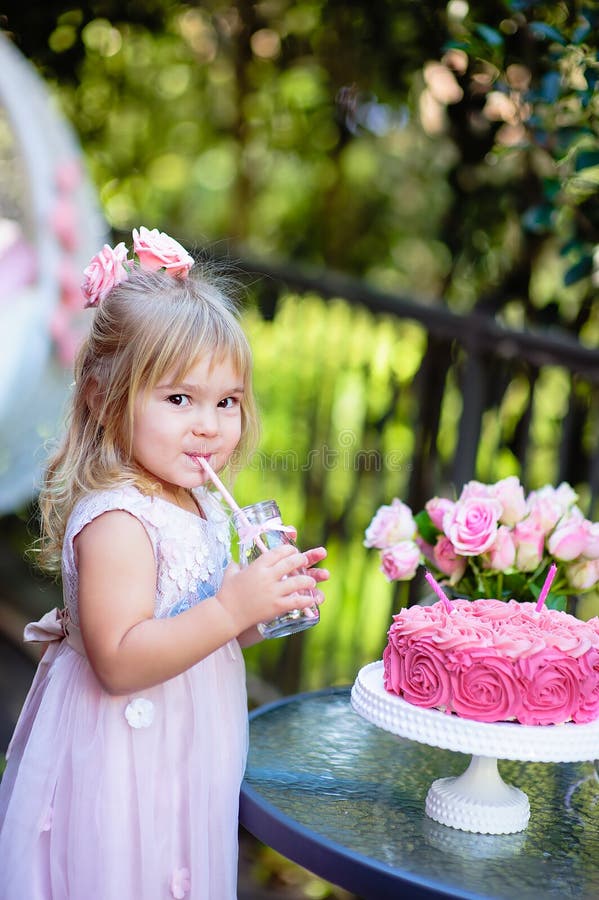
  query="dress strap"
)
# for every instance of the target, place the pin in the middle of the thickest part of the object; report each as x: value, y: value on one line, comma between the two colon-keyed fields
x: 55, y: 625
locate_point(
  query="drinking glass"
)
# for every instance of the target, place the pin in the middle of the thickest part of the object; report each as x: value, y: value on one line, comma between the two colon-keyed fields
x: 259, y: 528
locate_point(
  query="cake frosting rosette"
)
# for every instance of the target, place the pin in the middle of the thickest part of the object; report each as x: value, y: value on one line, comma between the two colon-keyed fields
x: 483, y: 687
x: 495, y: 661
x: 550, y: 688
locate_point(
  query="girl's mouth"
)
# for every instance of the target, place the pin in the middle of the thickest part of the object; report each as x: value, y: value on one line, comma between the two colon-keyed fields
x: 196, y: 457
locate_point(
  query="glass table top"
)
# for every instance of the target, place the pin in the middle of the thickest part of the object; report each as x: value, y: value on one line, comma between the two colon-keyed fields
x: 346, y: 799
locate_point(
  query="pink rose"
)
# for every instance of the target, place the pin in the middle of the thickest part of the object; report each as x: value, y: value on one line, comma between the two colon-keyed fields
x: 583, y: 574
x: 569, y: 538
x: 156, y: 250
x: 549, y: 504
x: 493, y: 611
x: 426, y: 549
x: 461, y: 634
x: 510, y: 494
x: 484, y: 687
x: 529, y: 539
x: 105, y: 270
x: 591, y: 550
x: 392, y: 670
x: 514, y: 644
x: 390, y: 525
x: 565, y: 495
x: 447, y: 560
x: 588, y: 709
x: 549, y: 688
x: 425, y: 680
x: 399, y: 563
x: 472, y: 525
x: 544, y: 514
x: 573, y: 640
x: 502, y: 554
x: 475, y: 489
x: 437, y: 508
x: 412, y: 625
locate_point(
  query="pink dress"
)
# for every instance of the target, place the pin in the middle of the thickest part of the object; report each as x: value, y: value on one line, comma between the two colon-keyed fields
x: 130, y: 797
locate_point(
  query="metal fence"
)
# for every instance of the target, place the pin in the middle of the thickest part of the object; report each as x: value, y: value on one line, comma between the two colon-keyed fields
x: 433, y: 399
x: 483, y: 359
x: 367, y: 395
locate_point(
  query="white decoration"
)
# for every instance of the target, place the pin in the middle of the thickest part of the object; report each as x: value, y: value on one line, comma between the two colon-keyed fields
x: 140, y: 713
x: 33, y: 381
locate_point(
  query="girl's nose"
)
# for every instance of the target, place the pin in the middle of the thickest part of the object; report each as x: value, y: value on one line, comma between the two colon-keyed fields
x: 206, y: 423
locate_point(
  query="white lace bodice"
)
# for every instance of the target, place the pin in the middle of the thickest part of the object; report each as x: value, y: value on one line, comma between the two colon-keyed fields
x: 191, y: 553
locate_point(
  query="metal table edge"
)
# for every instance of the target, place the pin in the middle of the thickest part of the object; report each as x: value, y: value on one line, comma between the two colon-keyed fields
x: 326, y: 858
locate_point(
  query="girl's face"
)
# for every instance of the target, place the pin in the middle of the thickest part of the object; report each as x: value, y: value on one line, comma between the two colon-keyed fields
x: 176, y: 423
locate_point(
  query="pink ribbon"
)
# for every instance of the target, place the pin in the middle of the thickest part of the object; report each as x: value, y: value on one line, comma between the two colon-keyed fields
x: 55, y: 626
x: 248, y: 533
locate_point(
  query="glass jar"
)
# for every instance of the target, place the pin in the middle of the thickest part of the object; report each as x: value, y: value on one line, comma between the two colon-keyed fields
x: 259, y: 528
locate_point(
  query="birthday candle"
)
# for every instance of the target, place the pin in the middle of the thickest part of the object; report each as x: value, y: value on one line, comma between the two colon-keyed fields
x: 439, y: 591
x: 546, y: 586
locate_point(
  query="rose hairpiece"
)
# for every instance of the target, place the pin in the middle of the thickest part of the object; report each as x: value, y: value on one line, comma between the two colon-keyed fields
x: 152, y: 250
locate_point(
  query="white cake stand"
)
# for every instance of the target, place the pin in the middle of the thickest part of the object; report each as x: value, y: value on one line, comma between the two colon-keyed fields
x: 478, y: 800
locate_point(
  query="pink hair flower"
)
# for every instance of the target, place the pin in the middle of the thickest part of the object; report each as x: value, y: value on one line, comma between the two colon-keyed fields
x: 105, y: 270
x: 156, y: 250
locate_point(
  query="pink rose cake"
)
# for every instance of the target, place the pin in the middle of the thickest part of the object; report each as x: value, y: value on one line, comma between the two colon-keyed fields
x: 494, y: 661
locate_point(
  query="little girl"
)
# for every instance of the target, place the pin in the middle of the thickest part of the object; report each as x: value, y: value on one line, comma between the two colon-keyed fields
x: 123, y: 775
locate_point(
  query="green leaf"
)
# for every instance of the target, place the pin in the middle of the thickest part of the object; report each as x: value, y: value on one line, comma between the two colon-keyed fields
x: 538, y: 219
x: 579, y: 270
x: 591, y: 77
x: 518, y: 5
x: 569, y: 246
x: 581, y: 32
x: 550, y: 87
x: 542, y: 30
x: 586, y: 159
x: 489, y: 35
x: 554, y: 601
x: 551, y: 187
x: 515, y: 584
x: 426, y: 529
x: 456, y: 45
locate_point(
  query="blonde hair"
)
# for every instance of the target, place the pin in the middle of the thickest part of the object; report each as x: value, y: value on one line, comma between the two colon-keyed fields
x: 151, y: 324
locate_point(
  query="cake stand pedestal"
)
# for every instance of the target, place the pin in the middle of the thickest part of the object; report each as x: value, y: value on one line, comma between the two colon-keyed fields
x: 478, y: 800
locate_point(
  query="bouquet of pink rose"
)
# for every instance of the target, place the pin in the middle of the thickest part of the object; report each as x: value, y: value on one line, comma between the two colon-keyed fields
x: 493, y: 541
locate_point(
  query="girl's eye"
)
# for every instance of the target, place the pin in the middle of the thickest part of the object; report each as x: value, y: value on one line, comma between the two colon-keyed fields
x: 178, y: 399
x: 228, y: 403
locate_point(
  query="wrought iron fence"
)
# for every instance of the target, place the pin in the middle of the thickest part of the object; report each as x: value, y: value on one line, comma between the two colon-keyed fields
x: 368, y: 395
x: 386, y: 396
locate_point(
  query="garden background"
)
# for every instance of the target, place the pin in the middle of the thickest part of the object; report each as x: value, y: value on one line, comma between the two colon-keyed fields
x: 404, y: 195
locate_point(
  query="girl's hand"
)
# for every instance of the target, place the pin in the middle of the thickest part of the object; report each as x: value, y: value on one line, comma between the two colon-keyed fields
x: 270, y: 585
x: 314, y: 556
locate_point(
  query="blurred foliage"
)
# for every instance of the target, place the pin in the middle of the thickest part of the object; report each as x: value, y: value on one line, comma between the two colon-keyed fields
x: 533, y: 75
x: 441, y: 150
x: 341, y: 435
x: 444, y: 149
